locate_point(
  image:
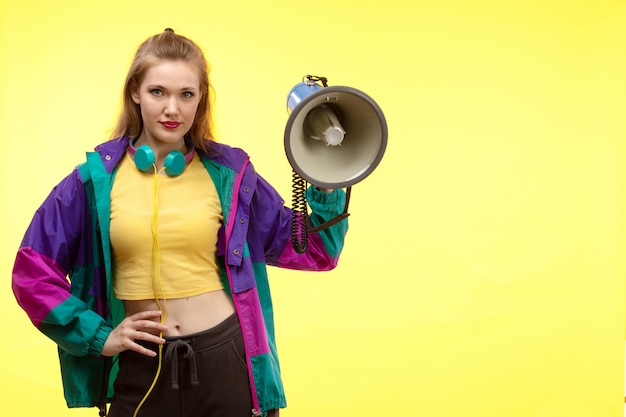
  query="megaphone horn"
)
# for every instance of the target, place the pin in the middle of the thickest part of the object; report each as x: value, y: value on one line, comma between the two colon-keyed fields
x: 334, y: 138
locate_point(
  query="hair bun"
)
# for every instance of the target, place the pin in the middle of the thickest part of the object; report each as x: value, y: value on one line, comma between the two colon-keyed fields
x: 169, y: 30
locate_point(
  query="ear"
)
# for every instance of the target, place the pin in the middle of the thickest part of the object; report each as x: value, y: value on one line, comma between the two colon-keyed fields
x: 134, y: 91
x: 134, y: 95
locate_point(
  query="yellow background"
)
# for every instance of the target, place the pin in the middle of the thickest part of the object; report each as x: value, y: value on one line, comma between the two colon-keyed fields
x: 484, y: 271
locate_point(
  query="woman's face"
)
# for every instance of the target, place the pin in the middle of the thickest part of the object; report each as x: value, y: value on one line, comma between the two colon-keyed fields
x: 168, y: 97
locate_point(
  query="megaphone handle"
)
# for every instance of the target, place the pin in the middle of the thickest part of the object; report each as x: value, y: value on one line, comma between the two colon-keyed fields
x: 334, y: 220
x: 301, y: 223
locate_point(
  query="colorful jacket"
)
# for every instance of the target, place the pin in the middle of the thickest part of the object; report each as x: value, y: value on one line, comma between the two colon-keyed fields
x: 62, y: 272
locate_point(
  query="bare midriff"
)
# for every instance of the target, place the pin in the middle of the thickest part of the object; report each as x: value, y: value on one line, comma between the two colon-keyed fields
x: 187, y: 315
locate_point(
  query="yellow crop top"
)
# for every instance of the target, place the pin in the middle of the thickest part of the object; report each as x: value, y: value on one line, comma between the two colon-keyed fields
x: 189, y: 217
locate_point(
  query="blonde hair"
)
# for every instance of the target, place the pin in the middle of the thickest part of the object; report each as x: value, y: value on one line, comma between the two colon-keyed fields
x: 166, y: 46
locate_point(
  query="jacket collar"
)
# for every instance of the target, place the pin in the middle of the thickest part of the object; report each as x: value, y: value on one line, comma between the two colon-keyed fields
x: 112, y: 151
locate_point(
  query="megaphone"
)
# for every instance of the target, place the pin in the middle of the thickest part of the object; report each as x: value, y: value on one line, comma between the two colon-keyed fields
x: 334, y: 138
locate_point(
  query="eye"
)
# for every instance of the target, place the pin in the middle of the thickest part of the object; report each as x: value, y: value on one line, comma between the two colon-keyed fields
x: 156, y: 92
x: 187, y: 94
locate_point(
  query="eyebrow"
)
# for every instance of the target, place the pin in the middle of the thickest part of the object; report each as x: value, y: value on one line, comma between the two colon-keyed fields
x: 160, y: 87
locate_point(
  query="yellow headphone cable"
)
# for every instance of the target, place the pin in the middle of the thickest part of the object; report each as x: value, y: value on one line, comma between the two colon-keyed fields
x: 156, y: 281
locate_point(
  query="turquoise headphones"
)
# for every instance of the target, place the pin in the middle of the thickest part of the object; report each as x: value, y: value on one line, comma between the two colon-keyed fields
x: 174, y: 163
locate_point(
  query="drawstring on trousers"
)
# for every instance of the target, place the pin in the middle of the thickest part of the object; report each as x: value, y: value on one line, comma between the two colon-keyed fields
x: 180, y: 349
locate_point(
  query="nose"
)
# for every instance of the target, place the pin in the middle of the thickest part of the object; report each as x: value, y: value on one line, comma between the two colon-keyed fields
x: 171, y: 106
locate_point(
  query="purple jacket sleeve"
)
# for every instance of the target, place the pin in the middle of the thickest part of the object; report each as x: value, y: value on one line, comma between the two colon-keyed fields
x: 54, y: 247
x: 273, y: 223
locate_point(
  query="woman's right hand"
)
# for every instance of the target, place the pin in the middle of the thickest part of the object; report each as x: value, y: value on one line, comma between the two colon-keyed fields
x: 139, y: 326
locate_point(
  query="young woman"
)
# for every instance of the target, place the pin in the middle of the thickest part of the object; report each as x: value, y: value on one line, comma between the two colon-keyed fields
x: 147, y: 263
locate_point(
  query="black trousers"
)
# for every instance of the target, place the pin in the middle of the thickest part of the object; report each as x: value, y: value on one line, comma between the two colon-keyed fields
x: 201, y: 375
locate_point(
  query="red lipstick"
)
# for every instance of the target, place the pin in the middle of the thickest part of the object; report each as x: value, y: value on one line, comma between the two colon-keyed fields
x: 170, y: 124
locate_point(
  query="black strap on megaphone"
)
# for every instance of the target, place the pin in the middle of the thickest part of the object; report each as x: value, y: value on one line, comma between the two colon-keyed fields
x: 301, y: 223
x: 312, y: 79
